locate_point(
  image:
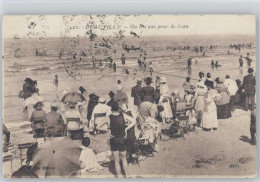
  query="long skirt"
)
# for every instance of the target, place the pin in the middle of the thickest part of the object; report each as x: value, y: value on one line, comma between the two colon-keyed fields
x: 223, y: 111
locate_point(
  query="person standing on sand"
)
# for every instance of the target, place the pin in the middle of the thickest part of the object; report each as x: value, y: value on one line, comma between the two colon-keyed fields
x: 120, y: 96
x: 223, y: 105
x: 209, y: 119
x: 123, y: 59
x: 56, y: 80
x: 114, y: 66
x: 148, y: 92
x: 137, y: 93
x: 241, y: 62
x: 112, y: 100
x: 93, y: 61
x: 199, y: 100
x: 248, y: 59
x: 196, y: 59
x: 28, y: 88
x: 232, y: 88
x: 253, y: 127
x: 165, y: 101
x: 118, y: 143
x: 212, y: 64
x: 249, y: 83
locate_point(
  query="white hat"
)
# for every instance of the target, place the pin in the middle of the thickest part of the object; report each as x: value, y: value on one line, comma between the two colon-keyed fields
x: 176, y: 92
x: 163, y: 79
x: 101, y: 100
x: 54, y: 105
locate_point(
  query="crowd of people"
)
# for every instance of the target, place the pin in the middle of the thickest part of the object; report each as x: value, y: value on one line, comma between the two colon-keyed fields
x: 205, y: 104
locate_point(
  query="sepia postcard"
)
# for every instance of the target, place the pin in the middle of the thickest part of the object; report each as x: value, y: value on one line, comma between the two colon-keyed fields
x: 129, y: 96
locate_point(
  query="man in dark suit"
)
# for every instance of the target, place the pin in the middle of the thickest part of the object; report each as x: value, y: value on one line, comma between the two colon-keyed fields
x: 54, y: 120
x: 148, y: 92
x: 249, y: 84
x: 137, y: 93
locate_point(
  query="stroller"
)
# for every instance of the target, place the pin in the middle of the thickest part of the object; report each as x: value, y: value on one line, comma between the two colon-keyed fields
x: 148, y: 139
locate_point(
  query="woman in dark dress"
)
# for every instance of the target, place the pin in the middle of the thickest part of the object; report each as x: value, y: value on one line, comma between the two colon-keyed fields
x: 119, y: 130
x: 148, y: 92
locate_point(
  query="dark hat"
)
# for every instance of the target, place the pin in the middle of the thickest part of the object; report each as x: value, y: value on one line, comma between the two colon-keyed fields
x: 201, y: 73
x: 111, y: 93
x: 148, y: 79
x: 82, y: 89
x: 28, y: 80
x: 160, y: 108
x: 38, y: 105
x: 227, y: 76
x: 208, y: 75
x: 250, y: 70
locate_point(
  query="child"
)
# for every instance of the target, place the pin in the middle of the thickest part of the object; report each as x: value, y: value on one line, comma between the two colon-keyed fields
x: 192, y: 118
x: 87, y: 159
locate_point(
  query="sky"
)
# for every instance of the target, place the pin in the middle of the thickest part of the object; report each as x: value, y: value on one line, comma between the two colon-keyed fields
x: 143, y: 25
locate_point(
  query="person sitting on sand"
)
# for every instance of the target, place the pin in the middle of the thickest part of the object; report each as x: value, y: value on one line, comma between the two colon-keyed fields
x: 88, y: 160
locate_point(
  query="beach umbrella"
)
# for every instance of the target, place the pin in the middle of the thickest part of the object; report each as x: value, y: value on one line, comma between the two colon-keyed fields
x: 57, y: 157
x: 73, y: 98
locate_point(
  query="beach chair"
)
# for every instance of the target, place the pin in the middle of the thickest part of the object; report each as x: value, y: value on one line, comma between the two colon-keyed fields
x: 96, y: 116
x: 9, y: 158
x: 39, y: 129
x: 74, y: 128
x: 30, y: 147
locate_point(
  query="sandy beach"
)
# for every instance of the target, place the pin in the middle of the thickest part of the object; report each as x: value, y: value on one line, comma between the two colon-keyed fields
x: 223, y: 152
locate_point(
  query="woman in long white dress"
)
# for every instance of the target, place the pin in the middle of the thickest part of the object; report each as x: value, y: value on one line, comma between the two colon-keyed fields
x: 209, y: 115
x: 164, y: 101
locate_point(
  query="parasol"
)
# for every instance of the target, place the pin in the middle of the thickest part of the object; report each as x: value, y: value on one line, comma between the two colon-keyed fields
x: 56, y: 157
x: 73, y: 98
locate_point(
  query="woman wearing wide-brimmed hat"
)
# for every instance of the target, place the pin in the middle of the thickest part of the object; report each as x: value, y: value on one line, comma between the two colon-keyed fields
x: 38, y: 116
x: 223, y: 105
x: 148, y: 92
x: 209, y: 119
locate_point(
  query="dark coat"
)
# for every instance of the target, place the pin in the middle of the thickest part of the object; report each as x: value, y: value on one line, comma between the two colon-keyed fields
x: 55, y: 119
x: 93, y: 101
x: 148, y: 94
x: 110, y: 103
x: 249, y: 83
x: 137, y: 94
